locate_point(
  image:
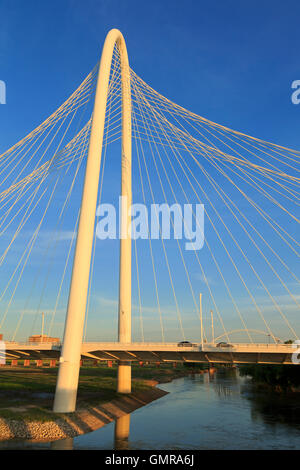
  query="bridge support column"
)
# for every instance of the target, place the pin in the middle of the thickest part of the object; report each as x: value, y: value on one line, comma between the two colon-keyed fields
x: 68, y: 374
x: 124, y: 377
x: 124, y: 330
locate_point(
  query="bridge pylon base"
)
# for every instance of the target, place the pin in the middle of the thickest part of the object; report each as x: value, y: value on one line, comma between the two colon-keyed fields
x: 124, y: 377
x: 66, y: 388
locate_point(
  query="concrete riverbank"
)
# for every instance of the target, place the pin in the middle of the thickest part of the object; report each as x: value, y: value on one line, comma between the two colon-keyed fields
x: 26, y: 399
x: 82, y: 421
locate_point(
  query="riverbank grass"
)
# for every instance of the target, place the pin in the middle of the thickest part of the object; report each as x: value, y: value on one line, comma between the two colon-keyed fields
x: 27, y: 393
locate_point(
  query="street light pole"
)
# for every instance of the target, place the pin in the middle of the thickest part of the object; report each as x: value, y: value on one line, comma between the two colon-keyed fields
x: 212, y: 327
x: 201, y: 319
x: 43, y: 321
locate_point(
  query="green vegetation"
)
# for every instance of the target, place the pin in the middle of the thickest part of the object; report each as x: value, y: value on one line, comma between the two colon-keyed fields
x: 281, y: 377
x: 27, y: 393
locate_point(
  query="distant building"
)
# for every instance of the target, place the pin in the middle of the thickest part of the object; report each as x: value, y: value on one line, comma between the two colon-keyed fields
x: 43, y: 339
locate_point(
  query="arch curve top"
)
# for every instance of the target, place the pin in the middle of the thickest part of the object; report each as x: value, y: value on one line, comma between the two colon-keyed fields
x: 114, y: 36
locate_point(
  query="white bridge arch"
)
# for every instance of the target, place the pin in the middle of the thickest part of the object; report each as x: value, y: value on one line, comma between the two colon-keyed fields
x: 68, y: 375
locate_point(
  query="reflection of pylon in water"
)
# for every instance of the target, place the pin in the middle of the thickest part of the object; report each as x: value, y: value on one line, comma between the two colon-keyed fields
x: 122, y: 429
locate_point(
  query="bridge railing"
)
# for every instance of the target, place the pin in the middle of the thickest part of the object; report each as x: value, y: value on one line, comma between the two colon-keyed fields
x: 251, y: 346
x: 31, y: 343
x: 152, y: 345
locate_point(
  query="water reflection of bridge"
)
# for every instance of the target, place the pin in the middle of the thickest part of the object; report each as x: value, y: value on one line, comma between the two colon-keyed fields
x: 121, y: 436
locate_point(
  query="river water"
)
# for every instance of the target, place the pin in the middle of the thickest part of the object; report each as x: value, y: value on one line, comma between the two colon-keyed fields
x: 208, y: 411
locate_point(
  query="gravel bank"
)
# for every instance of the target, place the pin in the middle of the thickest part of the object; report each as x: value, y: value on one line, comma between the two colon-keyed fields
x: 73, y: 424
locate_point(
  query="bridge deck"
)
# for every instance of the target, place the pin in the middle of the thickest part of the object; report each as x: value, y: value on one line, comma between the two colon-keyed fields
x: 162, y: 352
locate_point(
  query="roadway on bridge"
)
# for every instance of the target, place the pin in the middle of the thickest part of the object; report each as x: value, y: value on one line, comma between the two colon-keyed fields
x: 237, y: 353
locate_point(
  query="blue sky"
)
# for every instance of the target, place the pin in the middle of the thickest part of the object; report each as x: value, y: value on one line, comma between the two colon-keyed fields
x: 232, y: 62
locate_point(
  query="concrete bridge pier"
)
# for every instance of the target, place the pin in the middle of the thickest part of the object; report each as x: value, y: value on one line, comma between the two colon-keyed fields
x: 124, y: 377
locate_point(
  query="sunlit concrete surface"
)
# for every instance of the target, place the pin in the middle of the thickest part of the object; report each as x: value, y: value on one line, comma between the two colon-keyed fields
x: 238, y: 353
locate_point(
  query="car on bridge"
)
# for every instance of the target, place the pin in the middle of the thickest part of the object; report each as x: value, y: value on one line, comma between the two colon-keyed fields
x: 186, y: 344
x: 222, y: 344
